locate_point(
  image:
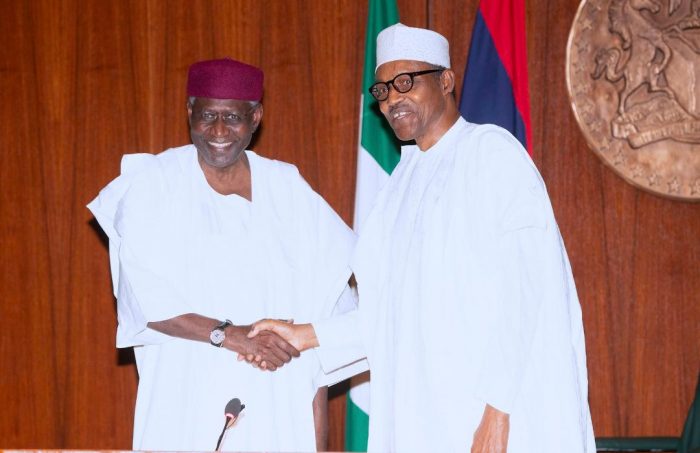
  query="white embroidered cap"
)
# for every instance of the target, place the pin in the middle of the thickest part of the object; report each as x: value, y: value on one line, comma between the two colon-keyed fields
x: 400, y: 42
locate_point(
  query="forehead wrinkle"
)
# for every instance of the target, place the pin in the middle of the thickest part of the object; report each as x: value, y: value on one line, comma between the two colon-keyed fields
x: 221, y: 105
x: 397, y: 67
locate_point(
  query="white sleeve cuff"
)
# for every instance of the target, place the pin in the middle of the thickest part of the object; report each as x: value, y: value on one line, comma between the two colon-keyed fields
x: 339, y: 341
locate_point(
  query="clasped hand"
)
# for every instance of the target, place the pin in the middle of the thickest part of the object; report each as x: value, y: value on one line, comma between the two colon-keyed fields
x: 263, y: 349
x: 290, y: 338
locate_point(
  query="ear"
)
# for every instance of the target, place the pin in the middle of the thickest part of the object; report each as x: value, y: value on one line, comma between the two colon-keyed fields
x: 447, y: 81
x: 189, y: 112
x: 257, y: 116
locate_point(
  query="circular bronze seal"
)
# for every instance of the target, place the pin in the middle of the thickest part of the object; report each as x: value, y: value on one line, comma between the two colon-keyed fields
x: 633, y: 74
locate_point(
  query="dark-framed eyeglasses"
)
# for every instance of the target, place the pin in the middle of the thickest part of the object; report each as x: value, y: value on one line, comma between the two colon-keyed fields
x: 230, y: 118
x: 401, y: 83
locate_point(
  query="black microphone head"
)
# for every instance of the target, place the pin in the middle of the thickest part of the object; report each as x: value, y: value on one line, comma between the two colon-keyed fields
x: 233, y: 408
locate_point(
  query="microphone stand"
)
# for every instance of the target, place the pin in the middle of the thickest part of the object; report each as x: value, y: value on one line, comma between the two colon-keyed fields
x: 230, y: 420
x: 232, y: 411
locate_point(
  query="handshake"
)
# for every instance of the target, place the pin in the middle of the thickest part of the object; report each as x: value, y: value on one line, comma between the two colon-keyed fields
x: 270, y: 343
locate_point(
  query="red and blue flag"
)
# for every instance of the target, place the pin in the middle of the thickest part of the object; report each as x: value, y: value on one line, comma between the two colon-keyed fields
x: 495, y: 88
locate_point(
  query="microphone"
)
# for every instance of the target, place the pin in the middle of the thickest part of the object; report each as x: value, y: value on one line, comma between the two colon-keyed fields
x: 231, y: 411
x: 233, y: 408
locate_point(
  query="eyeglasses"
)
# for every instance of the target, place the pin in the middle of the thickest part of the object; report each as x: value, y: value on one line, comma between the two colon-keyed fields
x: 401, y: 83
x: 230, y: 118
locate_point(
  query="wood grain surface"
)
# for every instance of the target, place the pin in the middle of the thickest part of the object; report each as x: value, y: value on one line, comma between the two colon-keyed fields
x: 85, y: 81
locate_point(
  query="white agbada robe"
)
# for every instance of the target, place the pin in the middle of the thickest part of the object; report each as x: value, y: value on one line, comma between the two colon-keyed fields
x: 177, y: 247
x: 466, y: 297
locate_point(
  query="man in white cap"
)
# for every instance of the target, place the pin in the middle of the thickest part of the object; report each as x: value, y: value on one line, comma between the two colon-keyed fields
x: 468, y: 313
x: 204, y: 239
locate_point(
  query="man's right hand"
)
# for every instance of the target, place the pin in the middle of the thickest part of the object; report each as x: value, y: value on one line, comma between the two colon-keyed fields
x: 300, y: 336
x: 267, y: 347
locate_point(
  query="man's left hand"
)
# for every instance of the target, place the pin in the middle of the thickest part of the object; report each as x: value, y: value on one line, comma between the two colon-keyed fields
x: 492, y: 434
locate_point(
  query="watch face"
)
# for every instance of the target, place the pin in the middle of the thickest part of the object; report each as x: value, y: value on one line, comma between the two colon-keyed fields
x: 217, y: 336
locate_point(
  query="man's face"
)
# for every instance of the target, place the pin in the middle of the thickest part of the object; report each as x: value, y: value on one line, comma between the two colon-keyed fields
x: 221, y: 129
x: 413, y: 114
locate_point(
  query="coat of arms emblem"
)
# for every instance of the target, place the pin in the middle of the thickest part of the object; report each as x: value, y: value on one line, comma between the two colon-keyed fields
x: 633, y: 73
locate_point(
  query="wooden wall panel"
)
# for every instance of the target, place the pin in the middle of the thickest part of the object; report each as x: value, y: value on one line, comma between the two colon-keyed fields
x: 634, y: 256
x: 85, y: 81
x: 30, y: 369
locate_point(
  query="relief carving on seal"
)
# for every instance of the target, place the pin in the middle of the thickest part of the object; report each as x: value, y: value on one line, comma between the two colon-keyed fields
x: 633, y: 74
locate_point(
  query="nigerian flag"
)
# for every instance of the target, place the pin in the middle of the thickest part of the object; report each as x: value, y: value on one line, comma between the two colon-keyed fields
x: 378, y: 154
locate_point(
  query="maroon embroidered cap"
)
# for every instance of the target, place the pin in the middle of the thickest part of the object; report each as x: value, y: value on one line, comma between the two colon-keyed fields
x: 225, y: 79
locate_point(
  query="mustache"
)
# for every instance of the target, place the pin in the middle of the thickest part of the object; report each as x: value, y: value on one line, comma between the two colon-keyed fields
x: 400, y: 107
x: 219, y: 140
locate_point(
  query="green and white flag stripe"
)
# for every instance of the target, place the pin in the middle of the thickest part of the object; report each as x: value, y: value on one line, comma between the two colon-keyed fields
x: 378, y: 154
x: 379, y: 150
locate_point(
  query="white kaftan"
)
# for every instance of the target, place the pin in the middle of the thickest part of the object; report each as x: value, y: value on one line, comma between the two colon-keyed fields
x: 465, y: 298
x: 179, y: 247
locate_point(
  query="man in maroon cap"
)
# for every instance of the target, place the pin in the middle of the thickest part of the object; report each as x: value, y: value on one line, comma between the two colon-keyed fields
x: 205, y: 239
